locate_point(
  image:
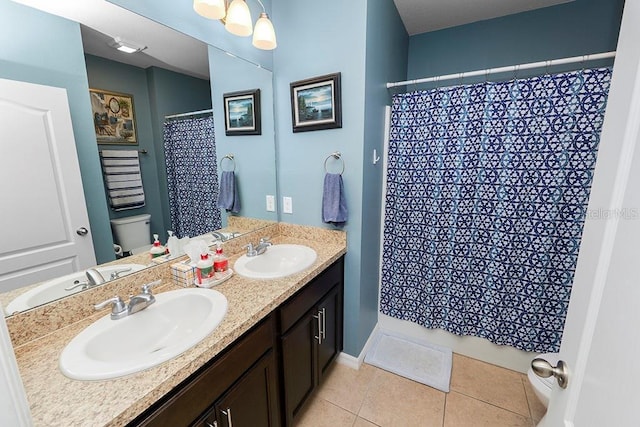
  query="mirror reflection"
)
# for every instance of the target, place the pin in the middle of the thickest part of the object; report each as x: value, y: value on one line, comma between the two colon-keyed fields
x: 169, y: 83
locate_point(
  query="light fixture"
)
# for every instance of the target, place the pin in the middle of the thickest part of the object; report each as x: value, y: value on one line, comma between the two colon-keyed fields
x: 212, y: 9
x: 238, y: 20
x: 236, y: 17
x: 125, y: 46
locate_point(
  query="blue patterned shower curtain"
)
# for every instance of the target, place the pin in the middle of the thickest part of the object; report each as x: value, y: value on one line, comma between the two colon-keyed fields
x: 192, y: 175
x: 487, y: 191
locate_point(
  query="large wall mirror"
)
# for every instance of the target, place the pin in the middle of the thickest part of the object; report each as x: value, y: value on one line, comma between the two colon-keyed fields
x: 173, y: 76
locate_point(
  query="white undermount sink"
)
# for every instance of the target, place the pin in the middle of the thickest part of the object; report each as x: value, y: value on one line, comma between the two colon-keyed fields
x: 54, y: 289
x: 277, y: 261
x: 177, y: 321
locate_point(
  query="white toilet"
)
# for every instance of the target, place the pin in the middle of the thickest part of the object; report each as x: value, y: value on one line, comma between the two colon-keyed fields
x: 133, y: 233
x: 542, y: 386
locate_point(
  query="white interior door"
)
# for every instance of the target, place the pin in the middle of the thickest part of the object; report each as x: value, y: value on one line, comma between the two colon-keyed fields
x: 43, y: 204
x: 599, y: 342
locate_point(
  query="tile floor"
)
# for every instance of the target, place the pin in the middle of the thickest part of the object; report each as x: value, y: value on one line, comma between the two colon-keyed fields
x: 481, y: 395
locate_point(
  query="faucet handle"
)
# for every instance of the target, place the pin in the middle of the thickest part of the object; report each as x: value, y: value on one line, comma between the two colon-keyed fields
x: 116, y: 274
x: 146, y: 289
x: 250, y: 250
x: 265, y: 240
x: 118, y: 307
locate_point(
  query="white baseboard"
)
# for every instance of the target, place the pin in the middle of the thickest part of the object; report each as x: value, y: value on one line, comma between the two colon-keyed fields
x: 355, y: 362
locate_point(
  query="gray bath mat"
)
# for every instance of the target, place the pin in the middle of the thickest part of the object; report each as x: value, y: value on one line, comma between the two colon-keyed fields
x: 422, y: 362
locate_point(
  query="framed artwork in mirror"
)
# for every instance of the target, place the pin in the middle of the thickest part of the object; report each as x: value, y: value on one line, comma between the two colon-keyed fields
x: 242, y: 113
x: 113, y: 117
x: 316, y: 103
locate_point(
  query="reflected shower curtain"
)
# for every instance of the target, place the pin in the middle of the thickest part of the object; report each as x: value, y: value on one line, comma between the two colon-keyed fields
x: 192, y: 175
x: 487, y: 191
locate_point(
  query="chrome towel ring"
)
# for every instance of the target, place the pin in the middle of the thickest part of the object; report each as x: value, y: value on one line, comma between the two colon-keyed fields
x: 336, y: 155
x: 230, y: 157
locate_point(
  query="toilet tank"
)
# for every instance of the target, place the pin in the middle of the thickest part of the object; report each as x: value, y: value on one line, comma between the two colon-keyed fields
x: 132, y: 232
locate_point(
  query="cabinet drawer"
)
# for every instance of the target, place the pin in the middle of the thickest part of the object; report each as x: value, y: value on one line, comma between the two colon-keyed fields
x: 296, y: 306
x: 195, y: 395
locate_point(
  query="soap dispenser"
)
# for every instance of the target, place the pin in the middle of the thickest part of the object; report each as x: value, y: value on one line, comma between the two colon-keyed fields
x: 173, y: 245
x: 157, y: 249
x: 220, y: 262
x: 204, y: 268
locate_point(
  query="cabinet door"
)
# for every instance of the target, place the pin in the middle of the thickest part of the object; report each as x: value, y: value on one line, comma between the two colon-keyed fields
x: 299, y: 364
x: 251, y: 402
x: 330, y: 313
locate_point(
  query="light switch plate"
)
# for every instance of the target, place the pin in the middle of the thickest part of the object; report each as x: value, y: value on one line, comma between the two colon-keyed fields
x: 271, y: 203
x: 287, y: 205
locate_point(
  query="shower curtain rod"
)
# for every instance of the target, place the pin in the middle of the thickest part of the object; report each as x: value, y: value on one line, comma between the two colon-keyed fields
x: 516, y: 68
x: 192, y: 113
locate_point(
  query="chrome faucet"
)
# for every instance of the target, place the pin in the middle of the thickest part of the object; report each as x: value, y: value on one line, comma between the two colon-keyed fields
x: 259, y: 249
x: 94, y: 278
x: 136, y: 303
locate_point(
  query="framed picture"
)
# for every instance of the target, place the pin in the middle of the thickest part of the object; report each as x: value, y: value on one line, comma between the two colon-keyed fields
x: 316, y: 103
x: 242, y: 113
x: 113, y: 117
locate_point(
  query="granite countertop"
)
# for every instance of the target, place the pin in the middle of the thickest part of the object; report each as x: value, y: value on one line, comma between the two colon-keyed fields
x: 56, y: 400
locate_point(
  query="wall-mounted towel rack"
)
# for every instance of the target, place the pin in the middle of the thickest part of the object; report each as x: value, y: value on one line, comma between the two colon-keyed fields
x: 231, y: 158
x: 336, y: 155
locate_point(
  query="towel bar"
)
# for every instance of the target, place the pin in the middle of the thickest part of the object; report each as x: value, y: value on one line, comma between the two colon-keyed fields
x: 231, y: 158
x: 336, y: 155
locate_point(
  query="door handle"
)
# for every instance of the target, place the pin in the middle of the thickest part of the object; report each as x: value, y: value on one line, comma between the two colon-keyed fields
x: 82, y: 231
x: 324, y: 323
x: 544, y: 369
x: 319, y: 336
x: 228, y: 414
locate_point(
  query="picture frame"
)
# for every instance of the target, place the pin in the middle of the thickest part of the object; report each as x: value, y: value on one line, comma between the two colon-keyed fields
x: 242, y: 114
x: 316, y: 103
x: 113, y: 117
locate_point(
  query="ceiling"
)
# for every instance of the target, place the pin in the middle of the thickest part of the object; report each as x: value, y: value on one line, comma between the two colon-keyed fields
x: 421, y: 16
x: 101, y: 21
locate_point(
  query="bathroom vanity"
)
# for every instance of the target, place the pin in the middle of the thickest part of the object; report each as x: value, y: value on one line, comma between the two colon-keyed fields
x: 285, y: 355
x: 256, y: 368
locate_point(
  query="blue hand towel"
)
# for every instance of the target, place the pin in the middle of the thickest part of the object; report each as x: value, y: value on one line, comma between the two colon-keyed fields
x: 334, y: 203
x: 229, y: 198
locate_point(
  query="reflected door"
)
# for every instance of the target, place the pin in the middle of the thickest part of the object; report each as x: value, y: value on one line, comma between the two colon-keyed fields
x: 44, y: 226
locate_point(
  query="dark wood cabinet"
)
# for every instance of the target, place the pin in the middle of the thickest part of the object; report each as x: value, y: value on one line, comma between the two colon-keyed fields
x: 285, y: 357
x: 250, y: 402
x: 249, y: 361
x: 311, y: 337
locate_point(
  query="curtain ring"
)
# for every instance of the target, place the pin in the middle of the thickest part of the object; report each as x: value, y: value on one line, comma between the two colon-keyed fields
x: 336, y: 155
x: 233, y: 162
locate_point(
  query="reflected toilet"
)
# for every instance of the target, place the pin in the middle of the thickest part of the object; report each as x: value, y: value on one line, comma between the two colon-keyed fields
x: 132, y: 233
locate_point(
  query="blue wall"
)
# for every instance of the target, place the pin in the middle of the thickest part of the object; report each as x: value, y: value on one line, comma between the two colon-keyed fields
x: 575, y: 28
x: 387, y: 49
x: 156, y: 93
x: 367, y: 43
x: 117, y: 77
x: 255, y: 160
x: 31, y: 52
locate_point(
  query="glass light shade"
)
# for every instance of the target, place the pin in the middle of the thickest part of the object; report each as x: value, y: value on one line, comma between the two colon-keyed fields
x: 264, y: 36
x: 238, y: 19
x: 212, y: 9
